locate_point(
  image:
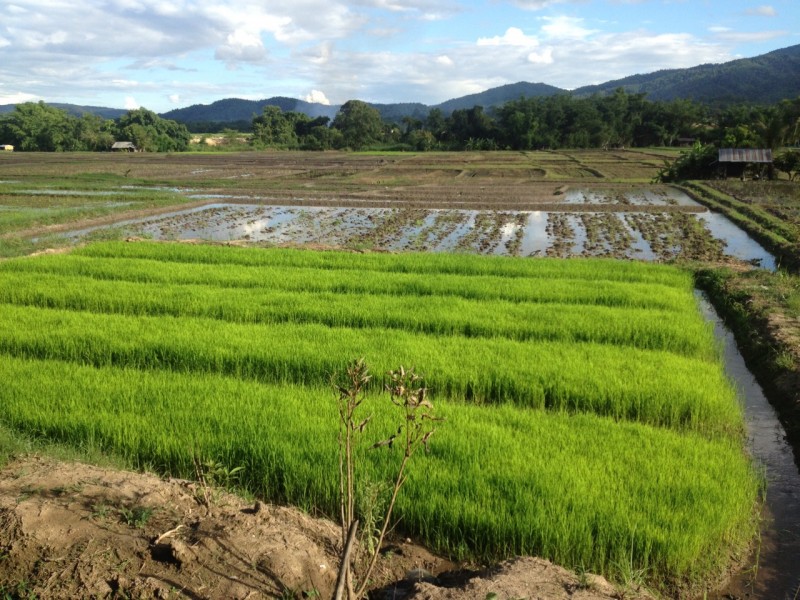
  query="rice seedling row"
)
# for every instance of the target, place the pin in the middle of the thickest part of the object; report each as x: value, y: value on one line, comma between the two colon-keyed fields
x: 456, y: 264
x: 545, y: 289
x: 582, y: 490
x: 644, y: 385
x: 683, y: 333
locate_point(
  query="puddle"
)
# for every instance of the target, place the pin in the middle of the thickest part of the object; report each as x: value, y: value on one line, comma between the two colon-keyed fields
x: 778, y: 574
x: 155, y: 188
x: 643, y: 197
x: 535, y: 241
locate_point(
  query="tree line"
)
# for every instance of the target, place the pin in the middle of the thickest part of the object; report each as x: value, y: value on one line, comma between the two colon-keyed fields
x: 37, y: 127
x: 615, y: 120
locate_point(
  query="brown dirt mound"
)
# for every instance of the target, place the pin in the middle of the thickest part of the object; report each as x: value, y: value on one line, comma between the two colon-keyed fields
x: 70, y: 530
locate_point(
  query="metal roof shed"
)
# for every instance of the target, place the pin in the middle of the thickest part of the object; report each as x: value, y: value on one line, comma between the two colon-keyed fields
x: 124, y: 147
x: 736, y: 160
x: 745, y: 155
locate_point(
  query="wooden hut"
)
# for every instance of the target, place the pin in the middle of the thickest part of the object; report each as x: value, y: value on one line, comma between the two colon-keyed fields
x: 734, y: 162
x: 123, y: 147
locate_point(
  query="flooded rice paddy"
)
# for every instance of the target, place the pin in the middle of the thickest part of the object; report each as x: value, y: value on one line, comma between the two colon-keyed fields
x: 648, y: 225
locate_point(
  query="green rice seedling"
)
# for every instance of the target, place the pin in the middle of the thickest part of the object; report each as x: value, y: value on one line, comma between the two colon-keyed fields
x: 554, y: 289
x: 626, y: 383
x: 454, y: 264
x: 683, y: 333
x: 498, y: 481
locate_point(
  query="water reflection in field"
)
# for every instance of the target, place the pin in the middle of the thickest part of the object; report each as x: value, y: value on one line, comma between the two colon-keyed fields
x: 626, y: 231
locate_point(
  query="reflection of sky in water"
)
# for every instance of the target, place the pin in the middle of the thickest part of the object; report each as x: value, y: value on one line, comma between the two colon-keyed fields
x: 535, y: 241
x: 507, y: 232
x: 640, y: 197
x: 337, y: 226
x: 738, y: 243
x: 640, y: 249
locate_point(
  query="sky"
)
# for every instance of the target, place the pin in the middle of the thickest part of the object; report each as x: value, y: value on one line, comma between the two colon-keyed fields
x: 166, y: 54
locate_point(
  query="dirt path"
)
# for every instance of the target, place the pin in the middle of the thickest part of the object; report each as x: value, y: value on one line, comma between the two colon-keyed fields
x: 69, y: 530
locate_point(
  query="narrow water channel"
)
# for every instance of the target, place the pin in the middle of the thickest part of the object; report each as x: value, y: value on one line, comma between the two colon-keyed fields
x: 776, y: 576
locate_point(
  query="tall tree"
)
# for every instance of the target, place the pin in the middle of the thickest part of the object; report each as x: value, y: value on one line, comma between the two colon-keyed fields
x: 152, y: 133
x: 37, y: 127
x: 359, y: 123
x: 274, y: 129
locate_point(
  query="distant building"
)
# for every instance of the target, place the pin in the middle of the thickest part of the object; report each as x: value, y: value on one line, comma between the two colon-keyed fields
x: 734, y: 162
x: 6, y: 147
x: 123, y: 147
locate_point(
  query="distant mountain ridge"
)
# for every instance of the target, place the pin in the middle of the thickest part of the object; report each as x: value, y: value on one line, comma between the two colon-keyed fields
x: 764, y: 79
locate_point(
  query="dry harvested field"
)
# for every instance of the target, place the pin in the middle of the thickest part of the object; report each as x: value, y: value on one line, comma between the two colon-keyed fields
x: 514, y: 181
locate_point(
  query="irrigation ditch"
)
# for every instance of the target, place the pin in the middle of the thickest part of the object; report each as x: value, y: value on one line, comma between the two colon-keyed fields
x: 774, y: 567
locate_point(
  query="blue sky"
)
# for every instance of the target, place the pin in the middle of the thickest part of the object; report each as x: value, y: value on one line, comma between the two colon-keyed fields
x: 164, y: 54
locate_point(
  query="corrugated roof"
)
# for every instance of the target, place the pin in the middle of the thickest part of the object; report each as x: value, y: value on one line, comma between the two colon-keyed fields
x: 122, y: 145
x: 745, y: 155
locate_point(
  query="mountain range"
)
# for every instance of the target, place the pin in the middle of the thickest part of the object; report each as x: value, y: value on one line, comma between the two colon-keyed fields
x: 764, y: 79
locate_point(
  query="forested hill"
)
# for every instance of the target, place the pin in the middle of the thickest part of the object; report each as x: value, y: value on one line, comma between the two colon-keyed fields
x: 500, y: 95
x: 236, y: 109
x: 764, y: 79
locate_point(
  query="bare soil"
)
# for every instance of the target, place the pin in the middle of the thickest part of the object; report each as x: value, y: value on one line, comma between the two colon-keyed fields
x: 71, y: 530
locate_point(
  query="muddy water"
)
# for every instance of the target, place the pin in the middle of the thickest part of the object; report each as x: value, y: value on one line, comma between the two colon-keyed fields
x: 438, y: 231
x: 776, y: 574
x: 644, y: 236
x: 738, y: 243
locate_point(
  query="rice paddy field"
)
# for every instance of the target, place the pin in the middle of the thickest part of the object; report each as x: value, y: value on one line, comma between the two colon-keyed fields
x: 588, y: 416
x: 555, y: 204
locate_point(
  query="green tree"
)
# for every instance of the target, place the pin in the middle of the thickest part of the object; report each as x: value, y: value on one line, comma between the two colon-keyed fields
x: 699, y: 162
x: 274, y: 129
x: 518, y: 124
x: 152, y: 133
x: 37, y: 127
x: 360, y: 125
x: 95, y: 133
x: 789, y: 163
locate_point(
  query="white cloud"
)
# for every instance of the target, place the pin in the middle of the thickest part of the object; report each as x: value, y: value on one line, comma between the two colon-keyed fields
x: 444, y: 60
x: 762, y: 11
x: 536, y: 4
x: 130, y: 103
x: 175, y: 98
x: 317, y: 97
x: 242, y: 46
x: 18, y: 98
x: 512, y: 37
x: 545, y: 57
x: 565, y: 28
